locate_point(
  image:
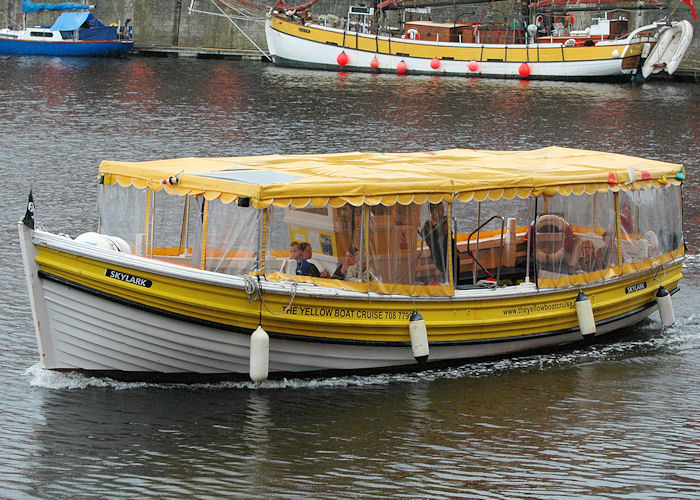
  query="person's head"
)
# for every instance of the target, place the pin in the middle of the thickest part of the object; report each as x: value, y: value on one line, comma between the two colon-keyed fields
x: 437, y: 211
x: 608, y: 237
x: 586, y: 249
x: 294, y: 250
x: 306, y: 251
x: 350, y: 255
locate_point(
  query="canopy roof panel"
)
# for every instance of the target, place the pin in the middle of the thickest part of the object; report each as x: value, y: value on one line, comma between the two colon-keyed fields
x: 388, y: 178
x: 69, y: 21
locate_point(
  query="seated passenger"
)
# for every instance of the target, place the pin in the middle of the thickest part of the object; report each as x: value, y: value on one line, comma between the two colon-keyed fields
x: 587, y: 260
x: 434, y: 233
x: 307, y: 255
x: 606, y: 255
x: 348, y: 266
x: 304, y: 267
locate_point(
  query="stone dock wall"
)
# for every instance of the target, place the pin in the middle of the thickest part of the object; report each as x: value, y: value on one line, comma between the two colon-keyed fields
x: 199, y: 27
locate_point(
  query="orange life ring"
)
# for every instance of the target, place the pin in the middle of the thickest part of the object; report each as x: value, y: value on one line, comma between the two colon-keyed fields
x: 563, y: 227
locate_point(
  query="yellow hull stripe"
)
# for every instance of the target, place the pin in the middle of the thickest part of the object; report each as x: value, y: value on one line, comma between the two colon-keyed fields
x: 362, y: 320
x: 409, y: 48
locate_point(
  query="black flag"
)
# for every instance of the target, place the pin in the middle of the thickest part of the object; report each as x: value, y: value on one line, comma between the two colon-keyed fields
x: 29, y: 216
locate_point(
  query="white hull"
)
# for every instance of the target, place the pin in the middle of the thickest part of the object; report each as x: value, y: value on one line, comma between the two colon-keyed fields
x: 669, y: 51
x: 288, y: 50
x: 79, y: 329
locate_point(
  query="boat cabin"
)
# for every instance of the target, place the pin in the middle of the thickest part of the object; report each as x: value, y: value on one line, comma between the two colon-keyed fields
x: 431, y: 224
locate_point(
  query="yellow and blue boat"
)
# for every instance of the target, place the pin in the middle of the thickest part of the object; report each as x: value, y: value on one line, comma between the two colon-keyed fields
x: 419, y: 260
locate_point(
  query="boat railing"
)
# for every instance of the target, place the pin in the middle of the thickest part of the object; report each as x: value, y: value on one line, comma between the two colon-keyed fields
x: 500, y: 249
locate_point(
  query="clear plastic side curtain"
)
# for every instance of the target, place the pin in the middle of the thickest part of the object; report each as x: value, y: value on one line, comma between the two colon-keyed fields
x: 122, y: 212
x: 232, y: 238
x: 578, y: 238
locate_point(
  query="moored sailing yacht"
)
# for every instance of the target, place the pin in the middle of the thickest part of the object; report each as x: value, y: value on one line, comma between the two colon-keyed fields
x: 76, y: 32
x: 529, y: 45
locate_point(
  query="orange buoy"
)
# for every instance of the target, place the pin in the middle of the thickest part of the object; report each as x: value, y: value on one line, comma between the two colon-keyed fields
x: 435, y: 63
x: 473, y: 66
x: 524, y: 70
x: 342, y: 58
x: 401, y: 67
x: 374, y: 63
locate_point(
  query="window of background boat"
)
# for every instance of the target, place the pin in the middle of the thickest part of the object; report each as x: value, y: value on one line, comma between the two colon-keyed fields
x: 41, y: 34
x: 122, y: 213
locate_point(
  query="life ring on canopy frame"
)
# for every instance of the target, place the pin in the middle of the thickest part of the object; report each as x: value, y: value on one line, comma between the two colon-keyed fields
x: 563, y: 227
x: 412, y: 34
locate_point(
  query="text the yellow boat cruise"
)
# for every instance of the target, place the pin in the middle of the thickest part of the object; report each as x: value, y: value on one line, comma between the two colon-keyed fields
x: 304, y: 265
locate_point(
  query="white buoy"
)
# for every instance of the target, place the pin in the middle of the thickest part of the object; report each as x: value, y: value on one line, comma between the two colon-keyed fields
x: 419, y: 337
x: 663, y: 301
x: 259, y: 355
x: 584, y: 312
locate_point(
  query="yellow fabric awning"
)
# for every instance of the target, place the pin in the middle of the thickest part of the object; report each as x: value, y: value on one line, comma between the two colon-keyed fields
x: 389, y: 178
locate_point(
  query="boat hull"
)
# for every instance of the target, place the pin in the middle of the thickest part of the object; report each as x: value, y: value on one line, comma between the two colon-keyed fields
x: 317, y: 47
x: 669, y: 51
x: 132, y: 318
x: 87, y: 48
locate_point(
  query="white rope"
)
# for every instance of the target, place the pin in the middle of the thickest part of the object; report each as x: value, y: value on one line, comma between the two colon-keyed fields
x: 252, y: 289
x: 239, y: 29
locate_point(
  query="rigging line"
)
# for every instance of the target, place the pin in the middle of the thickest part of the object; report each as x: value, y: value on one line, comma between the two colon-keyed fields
x: 239, y: 29
x: 245, y: 16
x: 240, y: 11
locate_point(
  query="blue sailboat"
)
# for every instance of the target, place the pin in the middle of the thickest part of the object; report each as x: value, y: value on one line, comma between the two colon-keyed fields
x: 76, y: 32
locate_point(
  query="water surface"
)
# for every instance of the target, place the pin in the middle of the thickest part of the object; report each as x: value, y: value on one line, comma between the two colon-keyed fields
x: 616, y: 420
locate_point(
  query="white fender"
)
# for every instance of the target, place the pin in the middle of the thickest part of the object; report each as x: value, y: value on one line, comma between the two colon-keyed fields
x: 419, y: 337
x: 663, y: 301
x: 259, y: 355
x: 584, y: 312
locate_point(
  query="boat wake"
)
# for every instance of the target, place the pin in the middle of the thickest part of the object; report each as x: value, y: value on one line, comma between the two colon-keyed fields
x: 644, y: 339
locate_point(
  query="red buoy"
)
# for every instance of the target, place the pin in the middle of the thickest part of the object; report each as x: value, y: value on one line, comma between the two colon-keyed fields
x: 374, y: 63
x: 401, y: 67
x: 524, y: 70
x: 473, y: 66
x: 435, y: 63
x: 342, y: 58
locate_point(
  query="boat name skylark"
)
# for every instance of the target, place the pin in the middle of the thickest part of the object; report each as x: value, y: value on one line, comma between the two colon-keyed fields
x: 636, y: 287
x: 129, y: 278
x: 329, y: 312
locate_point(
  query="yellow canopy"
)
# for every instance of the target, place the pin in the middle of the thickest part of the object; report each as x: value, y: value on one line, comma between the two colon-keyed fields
x: 389, y: 178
